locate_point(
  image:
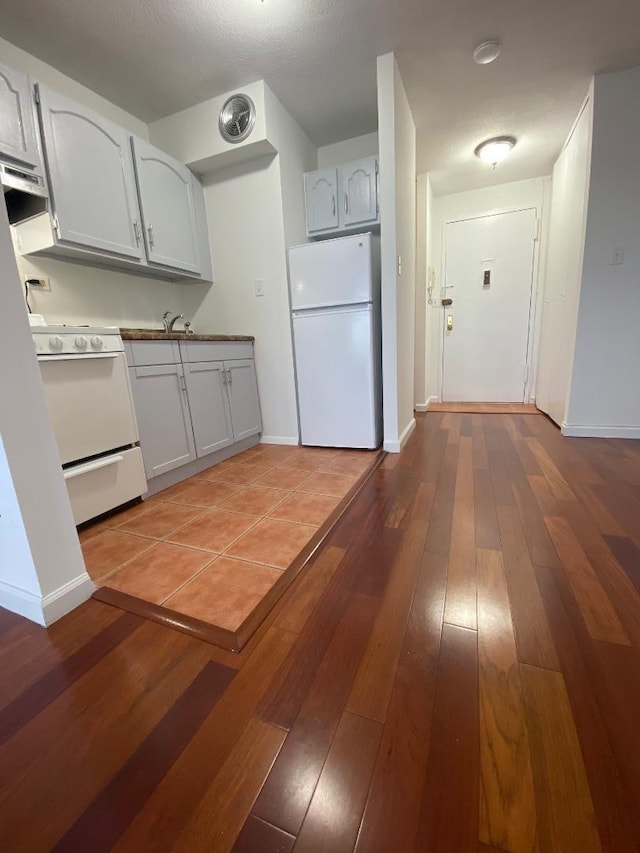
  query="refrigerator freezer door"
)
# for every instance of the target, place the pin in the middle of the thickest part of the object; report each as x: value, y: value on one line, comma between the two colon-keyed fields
x: 331, y: 272
x: 336, y: 378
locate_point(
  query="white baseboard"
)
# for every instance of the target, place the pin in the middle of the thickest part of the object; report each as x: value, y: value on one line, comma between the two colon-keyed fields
x: 64, y: 599
x: 279, y: 439
x: 22, y: 602
x: 396, y: 446
x: 424, y: 407
x: 582, y: 431
x: 46, y: 610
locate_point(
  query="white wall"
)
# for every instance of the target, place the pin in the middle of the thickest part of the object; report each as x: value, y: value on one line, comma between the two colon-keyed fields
x: 397, y: 149
x: 256, y: 211
x: 80, y: 293
x: 605, y: 393
x: 42, y: 573
x: 348, y: 149
x: 419, y: 378
x: 567, y: 222
x: 519, y: 195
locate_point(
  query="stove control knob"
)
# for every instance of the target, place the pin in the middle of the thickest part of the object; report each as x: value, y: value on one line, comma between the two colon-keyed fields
x: 56, y: 343
x: 97, y: 342
x: 82, y: 342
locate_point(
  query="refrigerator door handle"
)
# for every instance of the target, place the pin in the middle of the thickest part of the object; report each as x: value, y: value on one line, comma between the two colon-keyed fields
x: 332, y: 309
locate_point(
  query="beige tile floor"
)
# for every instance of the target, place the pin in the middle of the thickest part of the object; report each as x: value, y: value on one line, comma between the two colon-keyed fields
x: 212, y: 546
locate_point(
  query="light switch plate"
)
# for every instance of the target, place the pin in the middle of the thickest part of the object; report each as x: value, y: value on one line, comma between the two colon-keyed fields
x: 258, y: 287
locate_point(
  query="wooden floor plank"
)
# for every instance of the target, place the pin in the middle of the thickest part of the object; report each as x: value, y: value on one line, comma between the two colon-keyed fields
x: 372, y: 687
x: 297, y: 608
x: 332, y: 822
x: 104, y: 821
x: 161, y: 822
x: 224, y: 807
x: 597, y: 611
x: 533, y: 637
x: 507, y: 804
x: 286, y: 794
x: 260, y: 837
x: 566, y: 820
x: 618, y: 820
x: 91, y: 720
x: 450, y: 804
x: 390, y: 820
x: 460, y: 603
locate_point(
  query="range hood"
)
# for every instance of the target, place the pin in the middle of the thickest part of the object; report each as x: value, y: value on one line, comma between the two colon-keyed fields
x: 25, y: 193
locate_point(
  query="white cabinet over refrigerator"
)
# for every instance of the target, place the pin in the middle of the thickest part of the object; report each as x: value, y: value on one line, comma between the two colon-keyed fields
x: 335, y: 302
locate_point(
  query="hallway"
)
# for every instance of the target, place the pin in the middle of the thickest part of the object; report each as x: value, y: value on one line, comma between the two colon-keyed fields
x: 457, y: 669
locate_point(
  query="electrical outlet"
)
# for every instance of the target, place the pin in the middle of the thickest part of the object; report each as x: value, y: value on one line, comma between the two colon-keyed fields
x: 258, y: 287
x: 617, y: 256
x: 39, y: 283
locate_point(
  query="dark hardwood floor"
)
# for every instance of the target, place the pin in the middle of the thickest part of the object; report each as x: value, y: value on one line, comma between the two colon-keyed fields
x: 457, y: 669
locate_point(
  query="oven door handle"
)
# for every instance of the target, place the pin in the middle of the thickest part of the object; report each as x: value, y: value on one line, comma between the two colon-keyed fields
x: 79, y: 356
x: 69, y: 473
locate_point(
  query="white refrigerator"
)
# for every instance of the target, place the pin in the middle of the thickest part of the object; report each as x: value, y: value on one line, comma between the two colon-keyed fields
x: 335, y: 306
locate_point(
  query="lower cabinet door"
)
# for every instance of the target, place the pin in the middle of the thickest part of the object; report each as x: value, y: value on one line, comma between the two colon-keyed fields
x: 243, y: 396
x: 209, y: 404
x: 162, y: 412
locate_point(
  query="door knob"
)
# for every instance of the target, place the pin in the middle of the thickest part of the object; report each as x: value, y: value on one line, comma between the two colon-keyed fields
x: 449, y: 322
x: 447, y: 301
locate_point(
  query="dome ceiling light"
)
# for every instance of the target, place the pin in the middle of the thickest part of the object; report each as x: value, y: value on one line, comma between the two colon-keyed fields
x: 486, y: 52
x: 493, y: 151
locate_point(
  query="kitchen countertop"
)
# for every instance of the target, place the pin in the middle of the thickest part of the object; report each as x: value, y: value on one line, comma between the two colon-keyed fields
x: 176, y: 335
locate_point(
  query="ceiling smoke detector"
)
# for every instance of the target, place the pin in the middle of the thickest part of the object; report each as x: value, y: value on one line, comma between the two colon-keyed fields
x: 493, y: 151
x: 237, y: 118
x: 486, y: 52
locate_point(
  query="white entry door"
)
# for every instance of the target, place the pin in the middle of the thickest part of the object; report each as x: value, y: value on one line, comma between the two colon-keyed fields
x: 488, y: 278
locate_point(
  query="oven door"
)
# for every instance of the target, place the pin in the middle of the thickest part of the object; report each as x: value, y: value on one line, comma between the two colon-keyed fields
x: 89, y: 400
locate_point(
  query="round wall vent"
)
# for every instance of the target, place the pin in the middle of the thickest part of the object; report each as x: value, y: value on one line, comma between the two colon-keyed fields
x: 237, y: 118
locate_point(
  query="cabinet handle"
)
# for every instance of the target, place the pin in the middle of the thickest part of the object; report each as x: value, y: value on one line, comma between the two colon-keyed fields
x: 333, y: 205
x: 346, y: 203
x: 136, y: 231
x: 151, y: 240
x: 230, y: 375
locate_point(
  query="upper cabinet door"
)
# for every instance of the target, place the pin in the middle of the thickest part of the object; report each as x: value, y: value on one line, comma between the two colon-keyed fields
x: 321, y: 198
x: 359, y: 191
x: 168, y: 209
x: 91, y: 177
x: 17, y: 126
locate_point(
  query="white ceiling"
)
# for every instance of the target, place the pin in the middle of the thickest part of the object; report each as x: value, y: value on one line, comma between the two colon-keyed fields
x: 154, y: 57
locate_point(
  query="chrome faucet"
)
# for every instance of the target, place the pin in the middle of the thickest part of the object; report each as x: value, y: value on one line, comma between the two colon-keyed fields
x: 170, y: 323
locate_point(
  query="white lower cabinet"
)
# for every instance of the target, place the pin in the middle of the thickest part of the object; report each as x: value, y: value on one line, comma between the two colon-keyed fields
x: 195, y: 404
x: 162, y: 412
x: 209, y: 405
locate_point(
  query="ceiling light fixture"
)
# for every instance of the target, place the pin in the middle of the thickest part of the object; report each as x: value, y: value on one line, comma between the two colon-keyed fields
x: 493, y: 151
x: 486, y: 52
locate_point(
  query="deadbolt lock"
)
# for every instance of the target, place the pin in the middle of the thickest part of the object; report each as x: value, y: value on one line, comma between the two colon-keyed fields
x: 447, y: 302
x: 449, y: 322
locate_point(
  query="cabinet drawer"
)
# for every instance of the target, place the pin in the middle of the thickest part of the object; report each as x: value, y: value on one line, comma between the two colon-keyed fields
x: 104, y: 484
x: 193, y: 351
x: 147, y: 353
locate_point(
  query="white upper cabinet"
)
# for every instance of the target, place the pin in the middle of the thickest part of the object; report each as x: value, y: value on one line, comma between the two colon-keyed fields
x: 18, y: 138
x: 91, y: 177
x: 168, y: 208
x: 342, y: 199
x: 321, y: 198
x: 359, y: 186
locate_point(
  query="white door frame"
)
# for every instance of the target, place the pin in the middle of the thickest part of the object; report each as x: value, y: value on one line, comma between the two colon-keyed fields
x: 534, y: 307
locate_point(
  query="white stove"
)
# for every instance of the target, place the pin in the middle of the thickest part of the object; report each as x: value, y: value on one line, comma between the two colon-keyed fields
x: 86, y: 382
